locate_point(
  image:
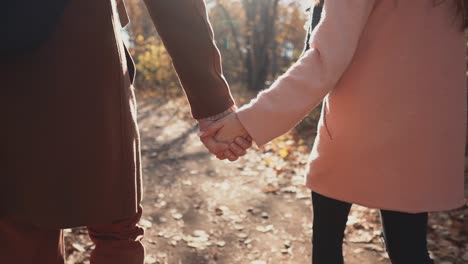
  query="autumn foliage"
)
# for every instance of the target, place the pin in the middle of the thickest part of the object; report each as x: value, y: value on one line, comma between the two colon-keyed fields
x: 258, y: 40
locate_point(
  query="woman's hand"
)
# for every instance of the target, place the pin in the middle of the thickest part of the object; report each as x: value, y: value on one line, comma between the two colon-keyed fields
x: 229, y: 130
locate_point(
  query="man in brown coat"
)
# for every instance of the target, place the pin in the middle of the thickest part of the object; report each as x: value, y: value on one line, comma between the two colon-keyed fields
x: 70, y: 151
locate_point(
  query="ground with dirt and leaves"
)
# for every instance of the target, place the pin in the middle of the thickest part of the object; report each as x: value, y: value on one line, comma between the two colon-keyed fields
x: 254, y: 211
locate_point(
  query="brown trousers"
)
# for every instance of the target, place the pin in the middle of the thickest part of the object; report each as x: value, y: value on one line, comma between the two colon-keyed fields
x: 24, y: 243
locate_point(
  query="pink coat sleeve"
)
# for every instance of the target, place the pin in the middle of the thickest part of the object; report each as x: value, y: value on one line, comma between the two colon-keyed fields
x: 278, y: 109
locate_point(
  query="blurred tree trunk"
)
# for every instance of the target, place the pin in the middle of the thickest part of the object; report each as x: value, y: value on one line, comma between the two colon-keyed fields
x: 235, y: 34
x: 140, y: 24
x: 466, y: 72
x: 260, y: 24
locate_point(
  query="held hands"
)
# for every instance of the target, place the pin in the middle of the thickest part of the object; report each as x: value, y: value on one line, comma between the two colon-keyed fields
x: 226, y: 137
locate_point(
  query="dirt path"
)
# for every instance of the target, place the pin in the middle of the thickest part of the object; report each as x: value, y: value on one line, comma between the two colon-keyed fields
x: 200, y: 210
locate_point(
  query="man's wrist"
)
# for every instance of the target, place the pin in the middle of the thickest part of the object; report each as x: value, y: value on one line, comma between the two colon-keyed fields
x: 230, y: 110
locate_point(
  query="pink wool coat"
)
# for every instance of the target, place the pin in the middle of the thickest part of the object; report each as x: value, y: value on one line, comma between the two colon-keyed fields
x: 391, y: 75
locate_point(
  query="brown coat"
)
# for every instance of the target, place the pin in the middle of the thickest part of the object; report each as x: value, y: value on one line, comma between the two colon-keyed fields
x: 70, y: 153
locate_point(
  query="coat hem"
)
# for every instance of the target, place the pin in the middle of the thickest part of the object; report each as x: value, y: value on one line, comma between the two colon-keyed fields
x: 380, y: 207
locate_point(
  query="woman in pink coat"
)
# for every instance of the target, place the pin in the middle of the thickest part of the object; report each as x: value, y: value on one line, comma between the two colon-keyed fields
x: 391, y: 75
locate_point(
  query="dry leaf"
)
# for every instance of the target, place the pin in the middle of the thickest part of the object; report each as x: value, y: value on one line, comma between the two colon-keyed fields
x: 284, y: 153
x: 78, y: 247
x: 221, y: 243
x: 145, y: 223
x: 265, y: 229
x: 218, y: 211
x: 270, y: 188
x: 177, y: 216
x: 150, y: 260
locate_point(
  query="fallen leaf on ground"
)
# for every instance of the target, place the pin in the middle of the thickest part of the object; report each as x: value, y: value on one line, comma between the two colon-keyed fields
x: 265, y: 229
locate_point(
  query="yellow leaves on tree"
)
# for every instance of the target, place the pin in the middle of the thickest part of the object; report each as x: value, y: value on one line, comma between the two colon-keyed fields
x: 154, y: 64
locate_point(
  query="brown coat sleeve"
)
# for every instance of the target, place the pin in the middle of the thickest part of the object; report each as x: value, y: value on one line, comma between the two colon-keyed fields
x: 187, y: 34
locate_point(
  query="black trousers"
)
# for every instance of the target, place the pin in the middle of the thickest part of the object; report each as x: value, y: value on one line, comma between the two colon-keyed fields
x: 404, y: 234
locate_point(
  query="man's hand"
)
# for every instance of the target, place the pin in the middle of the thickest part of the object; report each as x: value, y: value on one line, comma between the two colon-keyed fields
x: 210, y: 143
x: 228, y: 130
x: 223, y: 150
